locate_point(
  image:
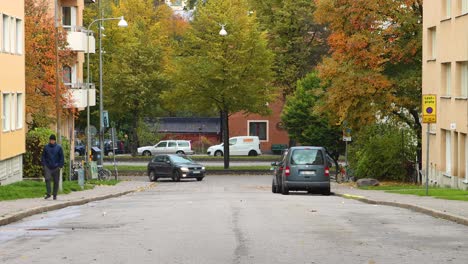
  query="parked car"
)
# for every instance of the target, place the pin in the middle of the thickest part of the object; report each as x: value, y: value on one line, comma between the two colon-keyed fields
x: 80, y: 150
x: 238, y: 146
x: 176, y: 167
x: 183, y: 147
x: 302, y: 169
x: 117, y: 149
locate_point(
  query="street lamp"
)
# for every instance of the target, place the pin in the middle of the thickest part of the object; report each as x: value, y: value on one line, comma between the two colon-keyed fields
x: 122, y: 23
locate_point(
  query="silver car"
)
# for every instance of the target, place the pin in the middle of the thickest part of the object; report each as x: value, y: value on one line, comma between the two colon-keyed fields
x: 182, y: 147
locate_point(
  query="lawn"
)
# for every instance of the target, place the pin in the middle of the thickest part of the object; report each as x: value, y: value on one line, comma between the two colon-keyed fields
x: 209, y: 168
x: 198, y: 158
x: 35, y: 189
x: 440, y: 193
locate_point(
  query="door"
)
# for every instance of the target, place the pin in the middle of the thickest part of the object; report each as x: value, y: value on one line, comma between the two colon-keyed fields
x: 171, y: 147
x: 234, y: 146
x: 166, y: 166
x: 160, y: 148
x: 157, y: 165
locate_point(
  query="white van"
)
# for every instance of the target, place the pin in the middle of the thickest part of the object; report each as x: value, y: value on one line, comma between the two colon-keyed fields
x: 238, y: 146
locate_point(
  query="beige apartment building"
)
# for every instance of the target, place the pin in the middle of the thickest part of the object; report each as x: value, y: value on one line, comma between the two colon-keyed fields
x: 445, y: 73
x: 12, y: 91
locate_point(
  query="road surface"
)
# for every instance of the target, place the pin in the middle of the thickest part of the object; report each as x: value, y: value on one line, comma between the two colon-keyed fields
x: 204, y: 163
x: 232, y: 219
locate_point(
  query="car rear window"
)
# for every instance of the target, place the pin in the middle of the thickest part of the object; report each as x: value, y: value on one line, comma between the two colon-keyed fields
x: 183, y: 144
x: 307, y: 157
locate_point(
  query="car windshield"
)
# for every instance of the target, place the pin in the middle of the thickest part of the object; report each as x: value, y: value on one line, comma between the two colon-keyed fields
x: 307, y: 157
x: 180, y: 159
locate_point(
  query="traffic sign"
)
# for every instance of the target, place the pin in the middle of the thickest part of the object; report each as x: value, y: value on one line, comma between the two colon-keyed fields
x: 429, y: 103
x: 105, y: 118
x: 347, y: 134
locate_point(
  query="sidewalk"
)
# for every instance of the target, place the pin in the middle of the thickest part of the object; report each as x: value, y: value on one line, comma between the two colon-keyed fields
x: 12, y: 211
x: 456, y: 211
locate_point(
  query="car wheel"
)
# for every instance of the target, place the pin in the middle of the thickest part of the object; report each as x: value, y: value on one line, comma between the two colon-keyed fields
x: 146, y: 153
x: 200, y: 179
x: 180, y: 152
x: 218, y: 153
x: 274, y: 187
x: 77, y: 153
x: 253, y: 153
x: 152, y: 176
x: 176, y: 176
x: 110, y: 153
x: 284, y: 190
x: 326, y: 191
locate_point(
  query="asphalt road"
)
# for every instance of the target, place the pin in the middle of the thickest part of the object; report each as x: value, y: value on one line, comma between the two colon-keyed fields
x: 232, y: 219
x: 204, y: 163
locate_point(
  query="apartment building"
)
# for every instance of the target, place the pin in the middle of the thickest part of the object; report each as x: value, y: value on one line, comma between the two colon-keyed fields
x: 12, y: 91
x: 445, y: 73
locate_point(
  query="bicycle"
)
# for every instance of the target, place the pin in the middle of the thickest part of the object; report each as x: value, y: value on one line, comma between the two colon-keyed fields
x: 345, y: 175
x: 104, y: 174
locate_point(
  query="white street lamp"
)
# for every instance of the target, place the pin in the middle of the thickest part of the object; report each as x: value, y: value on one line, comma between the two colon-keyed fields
x: 223, y: 31
x: 122, y: 23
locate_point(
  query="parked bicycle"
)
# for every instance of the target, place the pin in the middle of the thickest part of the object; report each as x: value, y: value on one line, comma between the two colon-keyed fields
x: 345, y: 174
x: 103, y: 173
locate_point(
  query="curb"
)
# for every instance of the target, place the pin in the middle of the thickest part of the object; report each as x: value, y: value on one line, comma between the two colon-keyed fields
x: 415, y: 208
x: 42, y: 209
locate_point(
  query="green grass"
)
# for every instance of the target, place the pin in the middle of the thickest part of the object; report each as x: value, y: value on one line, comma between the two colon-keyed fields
x: 209, y: 168
x: 199, y: 158
x: 440, y: 193
x: 35, y: 189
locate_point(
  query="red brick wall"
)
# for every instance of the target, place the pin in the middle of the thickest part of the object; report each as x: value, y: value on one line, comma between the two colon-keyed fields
x: 238, y: 126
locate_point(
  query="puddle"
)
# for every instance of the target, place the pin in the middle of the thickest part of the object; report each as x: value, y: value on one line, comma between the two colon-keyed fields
x: 38, y: 225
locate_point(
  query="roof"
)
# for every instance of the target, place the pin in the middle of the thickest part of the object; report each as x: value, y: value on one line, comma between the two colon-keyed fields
x: 186, y: 124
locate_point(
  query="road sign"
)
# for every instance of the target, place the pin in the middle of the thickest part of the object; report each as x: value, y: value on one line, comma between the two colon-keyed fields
x: 347, y: 134
x: 429, y: 108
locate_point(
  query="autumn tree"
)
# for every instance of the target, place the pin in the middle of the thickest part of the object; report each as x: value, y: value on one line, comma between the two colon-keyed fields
x: 297, y: 40
x: 374, y: 68
x: 41, y: 66
x: 227, y: 74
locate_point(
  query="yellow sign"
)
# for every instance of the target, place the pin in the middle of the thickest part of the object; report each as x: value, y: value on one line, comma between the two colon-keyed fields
x: 429, y: 108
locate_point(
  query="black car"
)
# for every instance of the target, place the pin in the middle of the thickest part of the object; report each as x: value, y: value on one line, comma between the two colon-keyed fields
x: 80, y: 150
x: 176, y: 167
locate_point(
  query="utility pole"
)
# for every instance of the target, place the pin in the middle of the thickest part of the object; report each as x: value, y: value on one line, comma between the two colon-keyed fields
x: 57, y: 84
x: 101, y: 95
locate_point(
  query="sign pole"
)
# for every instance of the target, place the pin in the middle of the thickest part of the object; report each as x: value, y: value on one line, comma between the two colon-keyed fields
x: 427, y: 159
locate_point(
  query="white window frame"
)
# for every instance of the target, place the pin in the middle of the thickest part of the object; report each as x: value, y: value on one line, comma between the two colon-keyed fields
x: 19, y: 36
x: 433, y: 42
x: 448, y: 152
x: 73, y: 15
x: 12, y: 35
x: 6, y: 112
x: 19, y: 111
x: 448, y: 8
x: 5, y: 33
x: 267, y: 128
x: 463, y: 7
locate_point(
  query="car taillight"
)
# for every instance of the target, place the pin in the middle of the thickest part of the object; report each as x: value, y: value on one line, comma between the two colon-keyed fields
x: 327, y: 172
x: 287, y: 171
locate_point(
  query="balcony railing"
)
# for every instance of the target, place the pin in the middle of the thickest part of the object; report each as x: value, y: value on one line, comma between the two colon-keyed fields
x: 78, y: 95
x: 76, y: 38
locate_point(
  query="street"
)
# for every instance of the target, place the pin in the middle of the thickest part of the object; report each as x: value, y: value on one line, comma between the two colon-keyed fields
x: 231, y: 219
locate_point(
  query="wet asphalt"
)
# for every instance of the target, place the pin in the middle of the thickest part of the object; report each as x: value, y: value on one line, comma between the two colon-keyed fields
x: 231, y: 219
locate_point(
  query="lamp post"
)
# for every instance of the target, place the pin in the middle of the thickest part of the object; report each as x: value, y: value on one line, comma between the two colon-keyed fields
x: 122, y: 23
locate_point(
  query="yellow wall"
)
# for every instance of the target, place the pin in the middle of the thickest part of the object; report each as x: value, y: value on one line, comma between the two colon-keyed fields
x: 452, y: 114
x: 12, y: 79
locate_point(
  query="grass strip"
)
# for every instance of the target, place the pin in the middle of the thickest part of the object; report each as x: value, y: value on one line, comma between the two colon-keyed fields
x: 436, y: 192
x: 36, y: 189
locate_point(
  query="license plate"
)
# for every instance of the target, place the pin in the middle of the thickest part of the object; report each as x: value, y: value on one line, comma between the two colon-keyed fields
x: 307, y: 172
x: 196, y: 172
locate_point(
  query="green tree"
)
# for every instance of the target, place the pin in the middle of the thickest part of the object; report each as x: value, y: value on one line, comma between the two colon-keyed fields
x: 296, y: 39
x: 305, y: 124
x: 224, y: 73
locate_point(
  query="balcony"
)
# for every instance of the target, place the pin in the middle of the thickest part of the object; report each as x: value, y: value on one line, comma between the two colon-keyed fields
x: 78, y: 93
x: 76, y: 38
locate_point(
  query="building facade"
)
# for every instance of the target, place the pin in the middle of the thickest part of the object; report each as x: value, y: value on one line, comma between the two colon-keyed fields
x: 12, y: 91
x: 445, y: 74
x: 268, y: 128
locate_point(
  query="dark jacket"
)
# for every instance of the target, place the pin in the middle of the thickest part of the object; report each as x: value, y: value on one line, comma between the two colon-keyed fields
x: 52, y: 156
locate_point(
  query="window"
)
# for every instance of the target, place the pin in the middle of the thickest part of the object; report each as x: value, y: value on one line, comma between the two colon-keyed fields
x: 259, y: 129
x: 183, y: 144
x: 232, y: 141
x: 172, y: 144
x: 6, y: 33
x: 463, y: 6
x: 432, y: 41
x: 19, y: 111
x: 447, y: 8
x: 463, y: 78
x: 448, y: 152
x: 162, y: 144
x: 6, y: 117
x: 307, y: 157
x: 447, y: 78
x: 69, y: 17
x: 19, y: 36
x: 67, y: 74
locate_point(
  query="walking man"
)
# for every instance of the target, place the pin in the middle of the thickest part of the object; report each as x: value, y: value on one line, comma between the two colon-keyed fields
x: 52, y: 161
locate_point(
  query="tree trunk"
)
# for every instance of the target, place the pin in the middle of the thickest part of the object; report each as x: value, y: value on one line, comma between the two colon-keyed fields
x: 225, y: 121
x: 134, y: 138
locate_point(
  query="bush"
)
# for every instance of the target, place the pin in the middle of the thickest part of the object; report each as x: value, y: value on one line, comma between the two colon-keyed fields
x: 35, y: 141
x: 383, y: 152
